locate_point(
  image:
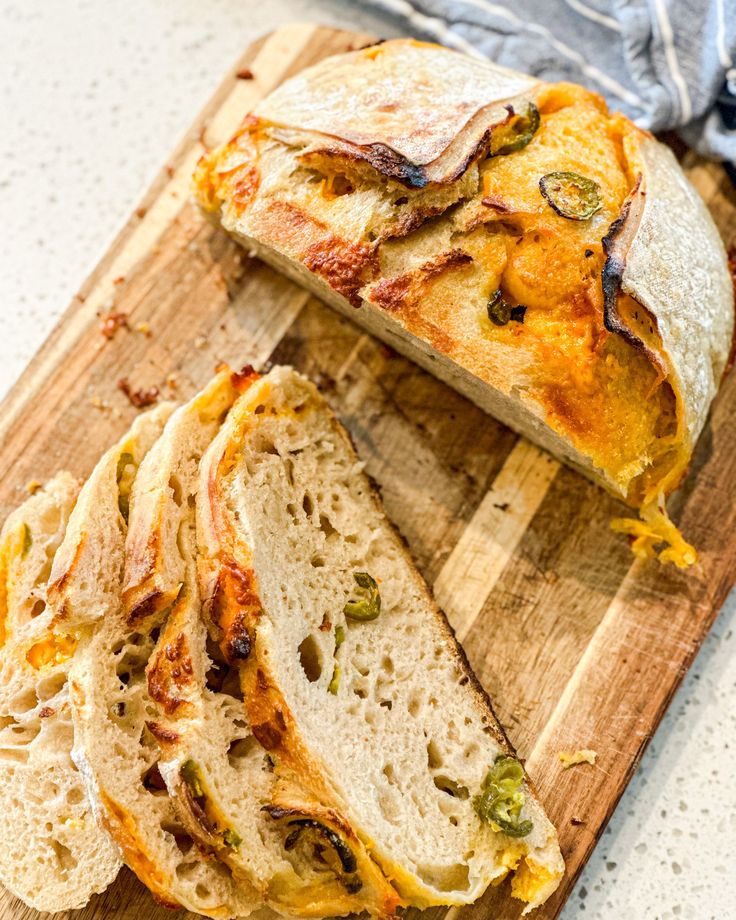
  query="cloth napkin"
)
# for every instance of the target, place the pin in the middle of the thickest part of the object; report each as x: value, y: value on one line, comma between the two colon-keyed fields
x: 667, y: 64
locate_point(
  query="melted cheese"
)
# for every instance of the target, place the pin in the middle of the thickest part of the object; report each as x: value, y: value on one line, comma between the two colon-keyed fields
x: 530, y: 880
x: 53, y: 650
x: 654, y: 535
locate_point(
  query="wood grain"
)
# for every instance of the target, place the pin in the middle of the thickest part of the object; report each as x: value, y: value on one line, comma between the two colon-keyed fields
x: 578, y: 645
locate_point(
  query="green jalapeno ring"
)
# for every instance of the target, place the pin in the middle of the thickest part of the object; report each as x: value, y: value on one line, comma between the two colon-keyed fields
x: 124, y: 461
x: 27, y: 541
x: 502, y: 797
x: 189, y: 772
x: 500, y: 311
x: 367, y: 607
x: 231, y: 838
x: 571, y: 195
x: 518, y: 133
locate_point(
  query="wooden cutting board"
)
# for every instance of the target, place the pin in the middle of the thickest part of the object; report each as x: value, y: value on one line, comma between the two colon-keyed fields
x: 579, y: 645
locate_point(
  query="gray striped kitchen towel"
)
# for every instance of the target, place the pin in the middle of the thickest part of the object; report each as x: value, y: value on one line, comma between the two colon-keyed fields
x: 668, y: 64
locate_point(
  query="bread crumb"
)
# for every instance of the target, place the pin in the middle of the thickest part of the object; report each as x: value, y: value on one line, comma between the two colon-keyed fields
x: 139, y: 398
x: 141, y: 212
x: 98, y: 403
x: 200, y: 341
x: 33, y: 485
x: 172, y: 381
x: 571, y: 759
x: 144, y: 328
x: 245, y: 73
x: 111, y: 322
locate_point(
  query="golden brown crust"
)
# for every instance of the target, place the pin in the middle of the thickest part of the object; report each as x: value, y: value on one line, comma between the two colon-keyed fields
x: 57, y: 587
x: 171, y: 673
x: 165, y: 736
x: 232, y: 608
x: 344, y: 265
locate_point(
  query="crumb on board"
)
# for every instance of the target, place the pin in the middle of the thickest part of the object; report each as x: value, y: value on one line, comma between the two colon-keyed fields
x: 172, y: 381
x: 245, y: 73
x: 144, y: 328
x: 119, y: 280
x: 141, y: 212
x: 33, y: 485
x: 200, y: 341
x: 576, y: 821
x: 139, y: 398
x: 112, y: 321
x: 572, y: 758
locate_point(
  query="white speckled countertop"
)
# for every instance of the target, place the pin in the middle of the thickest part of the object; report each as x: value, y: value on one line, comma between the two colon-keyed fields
x: 94, y: 96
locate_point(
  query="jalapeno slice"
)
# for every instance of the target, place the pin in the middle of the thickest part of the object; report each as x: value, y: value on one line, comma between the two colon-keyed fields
x: 27, y: 541
x: 189, y: 772
x: 571, y: 195
x: 342, y: 861
x: 123, y: 476
x: 500, y: 311
x: 231, y: 838
x: 502, y: 797
x: 368, y: 606
x: 515, y: 134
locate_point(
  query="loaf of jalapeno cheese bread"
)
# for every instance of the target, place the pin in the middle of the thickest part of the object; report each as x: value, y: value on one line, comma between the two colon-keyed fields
x: 545, y: 257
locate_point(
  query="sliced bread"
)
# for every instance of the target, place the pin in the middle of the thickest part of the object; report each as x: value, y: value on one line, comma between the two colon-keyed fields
x: 113, y: 747
x: 30, y: 537
x: 54, y: 856
x: 217, y: 774
x: 386, y: 744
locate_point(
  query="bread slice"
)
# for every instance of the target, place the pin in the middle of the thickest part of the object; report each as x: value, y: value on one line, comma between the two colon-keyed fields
x: 378, y: 728
x: 217, y: 774
x: 114, y: 749
x: 28, y: 541
x: 54, y: 856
